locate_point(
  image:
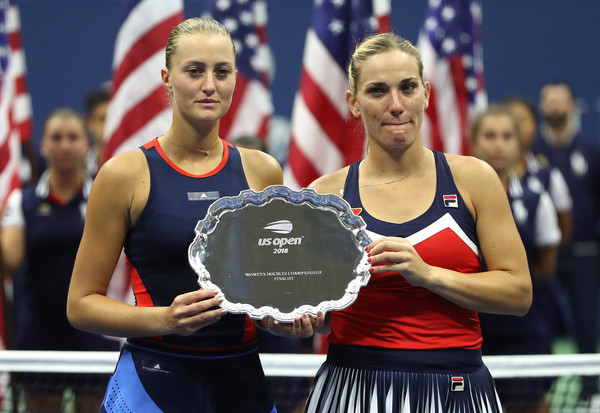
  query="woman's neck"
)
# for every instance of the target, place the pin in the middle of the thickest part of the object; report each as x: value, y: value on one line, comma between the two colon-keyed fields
x: 391, y: 164
x: 187, y: 141
x: 65, y: 185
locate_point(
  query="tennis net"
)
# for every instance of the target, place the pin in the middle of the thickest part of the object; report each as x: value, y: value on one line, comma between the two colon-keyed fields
x: 290, y: 376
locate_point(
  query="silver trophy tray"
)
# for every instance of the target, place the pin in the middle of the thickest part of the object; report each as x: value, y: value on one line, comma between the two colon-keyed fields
x: 281, y: 253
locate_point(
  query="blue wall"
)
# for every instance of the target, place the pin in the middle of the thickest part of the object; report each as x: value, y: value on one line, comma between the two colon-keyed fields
x: 69, y: 45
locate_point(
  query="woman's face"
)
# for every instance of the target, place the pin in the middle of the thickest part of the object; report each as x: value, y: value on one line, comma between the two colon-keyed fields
x: 497, y: 142
x: 390, y: 99
x: 64, y: 144
x: 202, y: 77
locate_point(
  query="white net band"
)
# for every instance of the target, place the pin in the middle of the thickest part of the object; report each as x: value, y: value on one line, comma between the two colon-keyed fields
x: 296, y: 365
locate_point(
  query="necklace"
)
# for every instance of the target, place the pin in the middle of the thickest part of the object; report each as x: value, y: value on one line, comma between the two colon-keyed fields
x: 399, y: 179
x: 205, y: 152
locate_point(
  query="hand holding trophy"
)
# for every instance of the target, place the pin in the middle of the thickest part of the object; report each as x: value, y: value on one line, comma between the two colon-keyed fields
x: 281, y: 253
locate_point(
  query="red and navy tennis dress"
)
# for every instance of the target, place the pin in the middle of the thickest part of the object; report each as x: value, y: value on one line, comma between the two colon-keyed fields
x: 216, y: 369
x: 401, y: 348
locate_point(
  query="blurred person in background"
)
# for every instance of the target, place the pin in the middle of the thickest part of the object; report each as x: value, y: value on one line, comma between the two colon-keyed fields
x: 495, y: 139
x: 538, y: 177
x: 41, y: 228
x: 96, y: 104
x: 562, y: 144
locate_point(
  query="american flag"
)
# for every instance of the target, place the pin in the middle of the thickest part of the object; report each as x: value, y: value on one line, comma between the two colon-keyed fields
x: 324, y: 137
x: 451, y: 46
x: 251, y: 107
x: 15, y: 101
x: 138, y: 110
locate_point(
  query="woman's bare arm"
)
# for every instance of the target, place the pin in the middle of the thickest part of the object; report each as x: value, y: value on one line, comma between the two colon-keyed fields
x: 118, y: 196
x: 505, y: 287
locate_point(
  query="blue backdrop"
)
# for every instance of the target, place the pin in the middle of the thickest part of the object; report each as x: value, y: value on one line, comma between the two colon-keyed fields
x: 69, y: 46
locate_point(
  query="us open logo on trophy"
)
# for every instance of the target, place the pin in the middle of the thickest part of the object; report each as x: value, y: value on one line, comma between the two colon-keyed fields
x: 281, y: 253
x: 280, y: 227
x: 280, y: 244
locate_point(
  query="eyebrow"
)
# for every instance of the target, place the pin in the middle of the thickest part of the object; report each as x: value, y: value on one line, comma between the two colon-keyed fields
x: 198, y: 62
x: 370, y: 84
x: 403, y: 81
x: 410, y: 79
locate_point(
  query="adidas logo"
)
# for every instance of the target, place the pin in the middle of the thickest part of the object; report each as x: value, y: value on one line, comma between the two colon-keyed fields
x: 156, y: 369
x: 203, y: 196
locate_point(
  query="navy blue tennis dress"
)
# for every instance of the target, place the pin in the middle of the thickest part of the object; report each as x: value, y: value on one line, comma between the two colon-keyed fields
x: 216, y: 369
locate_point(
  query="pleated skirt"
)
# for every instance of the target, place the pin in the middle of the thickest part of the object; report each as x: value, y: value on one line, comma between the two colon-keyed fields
x: 368, y: 380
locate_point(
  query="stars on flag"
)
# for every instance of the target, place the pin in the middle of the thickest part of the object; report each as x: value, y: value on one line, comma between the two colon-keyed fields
x: 252, y: 108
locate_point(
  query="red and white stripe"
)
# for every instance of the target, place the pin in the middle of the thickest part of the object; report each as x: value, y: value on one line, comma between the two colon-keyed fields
x: 319, y: 117
x: 382, y: 10
x: 138, y: 110
x: 447, y: 119
x: 324, y: 136
x: 15, y: 106
x: 252, y: 108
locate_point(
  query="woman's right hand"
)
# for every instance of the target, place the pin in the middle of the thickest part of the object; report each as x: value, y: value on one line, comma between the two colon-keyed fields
x: 192, y: 311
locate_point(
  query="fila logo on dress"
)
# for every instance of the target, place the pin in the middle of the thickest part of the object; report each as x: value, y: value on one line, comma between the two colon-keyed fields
x: 450, y: 201
x: 458, y: 383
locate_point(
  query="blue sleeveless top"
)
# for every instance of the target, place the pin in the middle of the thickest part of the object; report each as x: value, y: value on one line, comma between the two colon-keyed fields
x: 157, y: 245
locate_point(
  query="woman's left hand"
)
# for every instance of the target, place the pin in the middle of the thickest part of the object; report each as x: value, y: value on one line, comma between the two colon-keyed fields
x: 394, y: 254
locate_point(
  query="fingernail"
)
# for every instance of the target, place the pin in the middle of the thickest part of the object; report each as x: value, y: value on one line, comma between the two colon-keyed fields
x: 223, y: 312
x: 220, y: 300
x: 371, y: 269
x: 369, y: 259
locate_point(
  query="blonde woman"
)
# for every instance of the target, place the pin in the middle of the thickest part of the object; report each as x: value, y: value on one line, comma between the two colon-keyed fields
x: 183, y: 352
x: 411, y: 341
